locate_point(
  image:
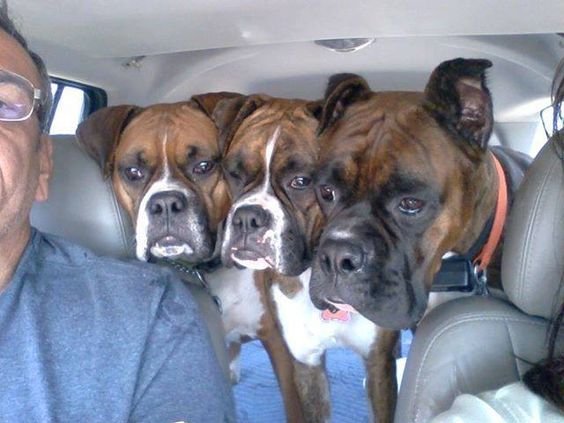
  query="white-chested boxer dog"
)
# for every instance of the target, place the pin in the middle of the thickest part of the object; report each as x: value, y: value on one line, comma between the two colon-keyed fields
x: 165, y: 165
x: 273, y: 226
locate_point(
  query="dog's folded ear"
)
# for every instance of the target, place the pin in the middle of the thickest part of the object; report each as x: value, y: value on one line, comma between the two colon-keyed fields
x: 223, y: 108
x: 229, y: 114
x: 315, y: 109
x: 459, y: 100
x: 99, y: 134
x: 209, y: 101
x: 342, y: 90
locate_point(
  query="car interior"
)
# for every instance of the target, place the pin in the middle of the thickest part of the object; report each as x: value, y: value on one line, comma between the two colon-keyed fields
x: 135, y: 52
x: 444, y: 359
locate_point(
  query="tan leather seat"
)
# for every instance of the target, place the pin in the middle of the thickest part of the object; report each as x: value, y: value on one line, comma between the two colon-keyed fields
x: 82, y: 207
x: 476, y: 344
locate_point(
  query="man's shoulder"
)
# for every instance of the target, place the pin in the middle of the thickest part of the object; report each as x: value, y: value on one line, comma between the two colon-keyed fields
x: 60, y: 252
x: 63, y: 266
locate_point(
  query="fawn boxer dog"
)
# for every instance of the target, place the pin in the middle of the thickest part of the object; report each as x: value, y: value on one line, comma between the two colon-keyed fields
x: 165, y: 165
x: 273, y: 225
x: 424, y: 184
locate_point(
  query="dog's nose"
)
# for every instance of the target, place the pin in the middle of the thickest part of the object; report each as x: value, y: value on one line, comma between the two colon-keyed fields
x: 167, y: 202
x: 250, y: 218
x: 340, y: 257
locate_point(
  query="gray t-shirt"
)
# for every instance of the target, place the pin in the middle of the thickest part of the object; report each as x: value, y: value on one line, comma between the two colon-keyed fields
x: 90, y: 339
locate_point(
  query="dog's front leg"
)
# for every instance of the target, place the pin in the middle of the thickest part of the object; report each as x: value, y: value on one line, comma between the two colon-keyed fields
x: 281, y: 359
x: 234, y: 351
x: 381, y: 383
x: 313, y: 389
x: 283, y: 364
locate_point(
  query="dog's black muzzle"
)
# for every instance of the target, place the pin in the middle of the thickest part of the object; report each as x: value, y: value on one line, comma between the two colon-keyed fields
x: 358, y: 263
x: 176, y: 219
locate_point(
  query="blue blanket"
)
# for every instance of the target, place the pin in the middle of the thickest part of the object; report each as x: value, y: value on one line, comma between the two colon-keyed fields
x: 258, y: 399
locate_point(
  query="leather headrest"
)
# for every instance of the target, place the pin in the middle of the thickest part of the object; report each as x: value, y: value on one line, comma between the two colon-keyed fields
x: 82, y: 206
x: 533, y: 255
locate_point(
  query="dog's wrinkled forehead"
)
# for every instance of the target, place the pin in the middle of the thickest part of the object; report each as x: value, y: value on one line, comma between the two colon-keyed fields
x: 373, y: 135
x: 275, y: 149
x: 382, y: 116
x: 248, y: 153
x: 169, y: 133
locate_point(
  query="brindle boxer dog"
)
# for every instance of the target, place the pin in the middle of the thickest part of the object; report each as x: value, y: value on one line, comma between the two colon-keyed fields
x: 405, y: 177
x: 165, y: 165
x: 274, y: 224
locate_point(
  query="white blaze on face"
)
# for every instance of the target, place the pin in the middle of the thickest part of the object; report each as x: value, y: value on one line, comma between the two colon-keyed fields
x: 163, y: 184
x: 263, y: 197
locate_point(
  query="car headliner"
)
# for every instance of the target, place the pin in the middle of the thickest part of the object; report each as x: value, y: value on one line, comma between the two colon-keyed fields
x: 167, y: 26
x: 142, y: 51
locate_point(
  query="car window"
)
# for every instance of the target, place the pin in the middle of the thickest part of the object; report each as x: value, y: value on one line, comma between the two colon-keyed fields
x: 71, y: 103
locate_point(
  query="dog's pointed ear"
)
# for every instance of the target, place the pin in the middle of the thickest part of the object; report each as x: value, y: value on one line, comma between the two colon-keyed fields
x: 230, y: 113
x: 459, y: 100
x: 99, y: 134
x: 342, y: 90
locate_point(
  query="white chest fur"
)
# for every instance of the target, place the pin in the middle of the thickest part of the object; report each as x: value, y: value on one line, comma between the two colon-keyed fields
x: 240, y: 302
x: 308, y: 335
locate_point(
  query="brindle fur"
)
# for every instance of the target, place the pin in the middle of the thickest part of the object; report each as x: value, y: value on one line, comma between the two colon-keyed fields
x: 381, y: 383
x: 245, y: 165
x: 393, y: 145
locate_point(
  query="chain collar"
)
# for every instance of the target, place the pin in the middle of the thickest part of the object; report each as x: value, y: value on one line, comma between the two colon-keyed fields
x: 192, y: 275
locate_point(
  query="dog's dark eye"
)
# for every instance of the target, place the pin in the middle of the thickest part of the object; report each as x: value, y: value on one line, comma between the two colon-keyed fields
x: 411, y: 206
x: 327, y: 193
x: 234, y: 174
x: 300, y: 182
x: 133, y: 173
x: 203, y: 167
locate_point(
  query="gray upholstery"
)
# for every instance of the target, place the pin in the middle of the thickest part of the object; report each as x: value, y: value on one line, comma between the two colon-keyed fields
x: 82, y: 207
x: 534, y: 250
x: 475, y: 344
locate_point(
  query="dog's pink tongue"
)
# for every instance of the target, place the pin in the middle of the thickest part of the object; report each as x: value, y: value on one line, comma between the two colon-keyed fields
x: 342, y: 315
x: 343, y: 306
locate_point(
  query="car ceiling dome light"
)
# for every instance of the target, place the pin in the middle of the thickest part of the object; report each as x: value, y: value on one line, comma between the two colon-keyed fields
x: 345, y: 45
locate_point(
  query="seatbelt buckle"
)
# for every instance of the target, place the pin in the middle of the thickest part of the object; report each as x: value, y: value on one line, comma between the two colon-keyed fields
x: 481, y: 286
x: 457, y: 273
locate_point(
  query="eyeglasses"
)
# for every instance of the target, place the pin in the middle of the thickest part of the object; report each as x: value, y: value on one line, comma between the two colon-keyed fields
x: 18, y: 97
x: 551, y: 118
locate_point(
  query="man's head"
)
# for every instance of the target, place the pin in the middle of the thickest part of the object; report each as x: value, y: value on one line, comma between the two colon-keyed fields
x: 25, y: 151
x: 43, y: 107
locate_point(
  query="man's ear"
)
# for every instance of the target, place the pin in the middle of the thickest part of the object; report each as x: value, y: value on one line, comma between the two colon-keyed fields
x: 459, y: 100
x: 342, y: 90
x: 99, y: 134
x: 45, y: 167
